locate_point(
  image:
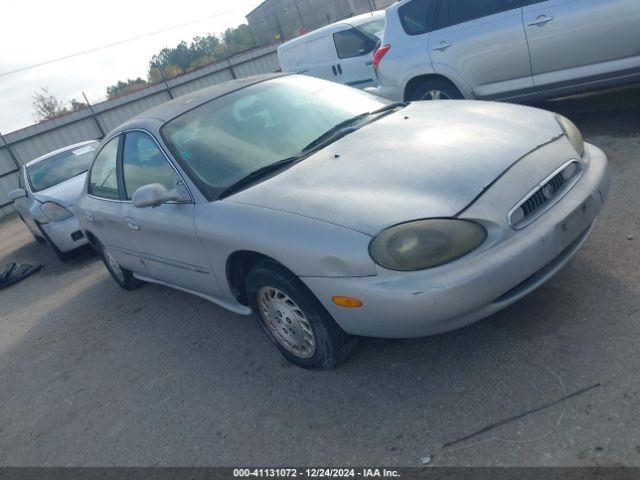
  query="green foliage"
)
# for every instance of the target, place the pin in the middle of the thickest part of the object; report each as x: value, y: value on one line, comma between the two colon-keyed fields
x: 184, y: 57
x: 201, y: 51
x: 122, y: 88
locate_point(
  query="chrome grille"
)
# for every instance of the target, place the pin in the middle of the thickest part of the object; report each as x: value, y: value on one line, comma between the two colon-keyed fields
x: 545, y: 195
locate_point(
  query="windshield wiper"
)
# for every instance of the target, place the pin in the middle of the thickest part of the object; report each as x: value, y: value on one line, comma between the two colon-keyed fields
x: 336, y: 129
x: 389, y: 107
x: 342, y: 128
x: 258, y: 174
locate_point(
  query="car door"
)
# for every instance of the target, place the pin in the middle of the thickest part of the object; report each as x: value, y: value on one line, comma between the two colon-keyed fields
x: 484, y: 43
x: 165, y: 236
x: 574, y: 40
x: 321, y: 59
x: 355, y: 57
x: 103, y: 208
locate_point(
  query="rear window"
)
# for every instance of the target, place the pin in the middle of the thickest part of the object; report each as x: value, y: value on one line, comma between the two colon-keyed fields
x: 60, y: 167
x: 415, y: 16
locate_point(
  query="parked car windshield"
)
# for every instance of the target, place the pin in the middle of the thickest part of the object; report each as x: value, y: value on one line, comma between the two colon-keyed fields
x: 60, y: 167
x: 226, y: 139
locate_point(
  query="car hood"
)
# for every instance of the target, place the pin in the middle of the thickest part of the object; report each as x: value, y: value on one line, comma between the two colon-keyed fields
x: 65, y: 193
x: 430, y: 159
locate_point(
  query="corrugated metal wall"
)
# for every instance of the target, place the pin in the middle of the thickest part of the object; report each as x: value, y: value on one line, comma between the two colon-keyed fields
x: 34, y: 141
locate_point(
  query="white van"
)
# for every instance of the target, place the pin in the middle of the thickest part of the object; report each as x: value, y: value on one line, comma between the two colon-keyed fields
x: 341, y: 52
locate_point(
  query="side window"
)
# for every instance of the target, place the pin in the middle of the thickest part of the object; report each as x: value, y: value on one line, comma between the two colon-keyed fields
x: 103, y: 179
x: 144, y: 163
x: 415, y: 16
x: 461, y: 11
x: 352, y: 43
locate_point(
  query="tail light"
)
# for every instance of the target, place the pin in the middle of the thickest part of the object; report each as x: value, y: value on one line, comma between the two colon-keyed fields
x: 379, y: 55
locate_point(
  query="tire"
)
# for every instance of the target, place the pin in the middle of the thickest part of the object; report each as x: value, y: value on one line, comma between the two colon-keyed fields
x: 122, y: 276
x: 428, y: 89
x: 281, y: 294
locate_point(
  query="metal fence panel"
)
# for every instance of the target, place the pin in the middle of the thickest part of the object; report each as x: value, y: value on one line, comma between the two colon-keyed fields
x: 44, y: 137
x: 6, y: 162
x: 7, y: 183
x: 47, y: 141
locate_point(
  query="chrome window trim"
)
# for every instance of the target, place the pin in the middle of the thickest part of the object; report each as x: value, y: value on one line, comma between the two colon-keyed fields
x: 552, y: 202
x: 148, y: 133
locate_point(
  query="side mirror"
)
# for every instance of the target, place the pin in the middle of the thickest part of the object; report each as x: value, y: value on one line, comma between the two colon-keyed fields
x: 154, y: 195
x: 17, y: 194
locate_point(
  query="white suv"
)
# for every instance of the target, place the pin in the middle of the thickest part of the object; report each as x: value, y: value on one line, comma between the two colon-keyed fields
x: 506, y: 49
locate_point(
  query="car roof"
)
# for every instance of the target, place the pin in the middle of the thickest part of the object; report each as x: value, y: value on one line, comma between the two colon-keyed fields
x: 173, y: 108
x: 60, y: 150
x: 352, y: 21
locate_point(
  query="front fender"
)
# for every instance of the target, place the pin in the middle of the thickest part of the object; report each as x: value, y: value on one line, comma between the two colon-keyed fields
x: 306, y: 246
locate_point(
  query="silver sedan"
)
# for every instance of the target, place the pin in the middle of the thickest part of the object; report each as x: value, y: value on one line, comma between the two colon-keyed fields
x: 48, y: 189
x: 334, y: 214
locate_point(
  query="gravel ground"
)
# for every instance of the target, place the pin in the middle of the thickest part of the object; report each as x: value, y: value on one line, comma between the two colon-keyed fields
x: 93, y: 375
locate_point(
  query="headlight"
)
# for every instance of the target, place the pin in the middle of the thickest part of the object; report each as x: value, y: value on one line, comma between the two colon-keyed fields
x: 572, y: 133
x: 55, y: 212
x: 425, y: 243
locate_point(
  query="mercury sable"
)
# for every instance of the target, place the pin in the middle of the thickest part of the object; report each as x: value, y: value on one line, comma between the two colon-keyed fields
x: 334, y: 214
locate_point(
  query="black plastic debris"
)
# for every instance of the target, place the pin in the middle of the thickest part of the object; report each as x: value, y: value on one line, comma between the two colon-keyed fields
x: 16, y: 273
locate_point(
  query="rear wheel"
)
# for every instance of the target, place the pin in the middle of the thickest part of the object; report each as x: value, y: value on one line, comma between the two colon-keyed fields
x: 122, y: 276
x: 294, y: 320
x: 435, y: 89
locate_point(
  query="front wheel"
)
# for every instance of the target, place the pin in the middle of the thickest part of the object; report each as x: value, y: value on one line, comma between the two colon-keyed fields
x: 122, y: 276
x: 294, y: 320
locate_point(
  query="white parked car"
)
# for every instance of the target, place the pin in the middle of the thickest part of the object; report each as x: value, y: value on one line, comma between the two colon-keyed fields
x: 341, y: 52
x: 48, y: 189
x: 507, y: 49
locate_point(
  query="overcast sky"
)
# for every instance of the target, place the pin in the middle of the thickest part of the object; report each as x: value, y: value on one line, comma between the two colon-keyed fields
x: 34, y: 31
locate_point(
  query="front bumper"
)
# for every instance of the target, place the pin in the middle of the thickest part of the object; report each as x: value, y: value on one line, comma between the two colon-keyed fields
x: 66, y: 235
x: 416, y: 304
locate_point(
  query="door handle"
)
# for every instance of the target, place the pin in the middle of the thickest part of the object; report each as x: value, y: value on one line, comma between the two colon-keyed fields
x: 540, y: 21
x: 333, y: 69
x: 89, y: 216
x: 442, y: 47
x: 131, y: 223
x: 339, y: 69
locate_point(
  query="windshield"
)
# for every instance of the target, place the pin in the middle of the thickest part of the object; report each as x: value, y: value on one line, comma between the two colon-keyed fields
x: 60, y: 167
x: 226, y: 139
x: 373, y: 29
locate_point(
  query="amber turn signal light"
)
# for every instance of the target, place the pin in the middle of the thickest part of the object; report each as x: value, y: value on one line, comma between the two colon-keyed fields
x: 347, y: 302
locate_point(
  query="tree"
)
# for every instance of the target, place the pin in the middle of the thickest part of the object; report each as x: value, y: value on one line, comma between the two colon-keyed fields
x: 76, y: 105
x: 46, y: 106
x: 122, y: 88
x: 239, y: 39
x: 200, y: 51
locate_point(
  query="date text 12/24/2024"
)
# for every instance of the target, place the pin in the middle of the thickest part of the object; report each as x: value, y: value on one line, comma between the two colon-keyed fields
x: 315, y: 473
